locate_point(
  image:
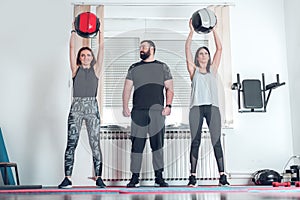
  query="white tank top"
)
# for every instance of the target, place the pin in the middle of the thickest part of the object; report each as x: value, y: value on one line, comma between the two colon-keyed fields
x: 204, y: 89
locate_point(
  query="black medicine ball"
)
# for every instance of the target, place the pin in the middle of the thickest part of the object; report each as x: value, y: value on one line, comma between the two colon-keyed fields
x: 265, y: 177
x: 204, y: 20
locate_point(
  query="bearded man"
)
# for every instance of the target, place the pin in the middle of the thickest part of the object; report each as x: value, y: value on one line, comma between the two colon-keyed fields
x: 149, y: 78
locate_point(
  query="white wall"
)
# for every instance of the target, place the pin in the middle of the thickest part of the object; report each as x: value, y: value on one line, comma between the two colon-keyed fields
x: 260, y: 140
x: 35, y: 91
x: 34, y: 86
x: 293, y: 48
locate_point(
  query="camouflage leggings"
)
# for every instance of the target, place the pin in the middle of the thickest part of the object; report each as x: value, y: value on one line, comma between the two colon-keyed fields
x: 83, y: 108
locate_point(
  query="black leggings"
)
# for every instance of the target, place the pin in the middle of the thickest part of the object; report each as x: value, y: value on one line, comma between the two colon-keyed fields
x: 213, y: 120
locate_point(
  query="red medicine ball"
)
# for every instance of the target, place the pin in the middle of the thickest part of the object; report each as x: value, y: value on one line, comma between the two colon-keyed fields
x: 87, y: 25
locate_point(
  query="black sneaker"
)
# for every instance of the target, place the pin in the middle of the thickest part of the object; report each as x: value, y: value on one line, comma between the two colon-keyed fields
x: 66, y: 183
x: 160, y: 182
x: 99, y: 183
x: 192, y: 181
x: 223, y: 180
x: 134, y: 181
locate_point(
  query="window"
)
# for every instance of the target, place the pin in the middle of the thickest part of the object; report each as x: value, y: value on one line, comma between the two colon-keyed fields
x: 120, y: 53
x: 122, y: 38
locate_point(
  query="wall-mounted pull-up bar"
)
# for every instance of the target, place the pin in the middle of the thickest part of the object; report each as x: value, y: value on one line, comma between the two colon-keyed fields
x: 254, y: 93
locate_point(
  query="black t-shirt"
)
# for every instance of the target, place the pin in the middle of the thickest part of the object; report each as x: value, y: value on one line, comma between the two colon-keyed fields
x: 148, y: 81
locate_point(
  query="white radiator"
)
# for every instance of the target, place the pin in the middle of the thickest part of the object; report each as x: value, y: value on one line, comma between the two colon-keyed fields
x: 116, y: 147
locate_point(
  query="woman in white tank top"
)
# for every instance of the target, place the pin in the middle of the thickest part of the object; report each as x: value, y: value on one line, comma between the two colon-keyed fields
x: 204, y: 102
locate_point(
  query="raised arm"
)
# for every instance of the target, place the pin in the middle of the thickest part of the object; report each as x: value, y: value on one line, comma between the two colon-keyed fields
x: 217, y: 56
x: 100, y: 56
x: 128, y: 85
x: 188, y: 53
x: 72, y: 55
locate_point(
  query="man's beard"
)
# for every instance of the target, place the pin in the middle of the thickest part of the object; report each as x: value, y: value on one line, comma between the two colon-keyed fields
x: 144, y: 55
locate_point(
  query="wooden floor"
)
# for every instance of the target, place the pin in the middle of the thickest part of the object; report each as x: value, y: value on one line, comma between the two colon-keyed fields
x: 201, y: 196
x: 151, y: 193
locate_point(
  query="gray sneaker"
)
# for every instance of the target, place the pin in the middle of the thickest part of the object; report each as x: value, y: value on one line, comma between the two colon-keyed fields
x: 223, y: 180
x: 160, y: 182
x: 134, y: 181
x: 100, y: 183
x: 65, y: 184
x: 192, y: 181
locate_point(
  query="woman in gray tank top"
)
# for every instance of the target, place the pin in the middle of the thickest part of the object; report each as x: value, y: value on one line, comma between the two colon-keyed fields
x: 86, y: 71
x: 204, y: 102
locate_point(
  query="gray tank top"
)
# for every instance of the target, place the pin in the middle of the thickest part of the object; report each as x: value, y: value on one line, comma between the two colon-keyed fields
x: 85, y: 83
x: 204, y: 90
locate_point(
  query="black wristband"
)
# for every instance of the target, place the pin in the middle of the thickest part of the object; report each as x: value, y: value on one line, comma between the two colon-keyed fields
x: 169, y: 105
x: 73, y: 31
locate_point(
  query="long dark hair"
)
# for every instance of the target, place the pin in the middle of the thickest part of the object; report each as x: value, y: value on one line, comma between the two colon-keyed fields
x: 78, y: 62
x: 209, y: 60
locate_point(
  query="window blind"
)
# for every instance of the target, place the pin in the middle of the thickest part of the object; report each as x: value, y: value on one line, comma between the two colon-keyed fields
x: 121, y: 52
